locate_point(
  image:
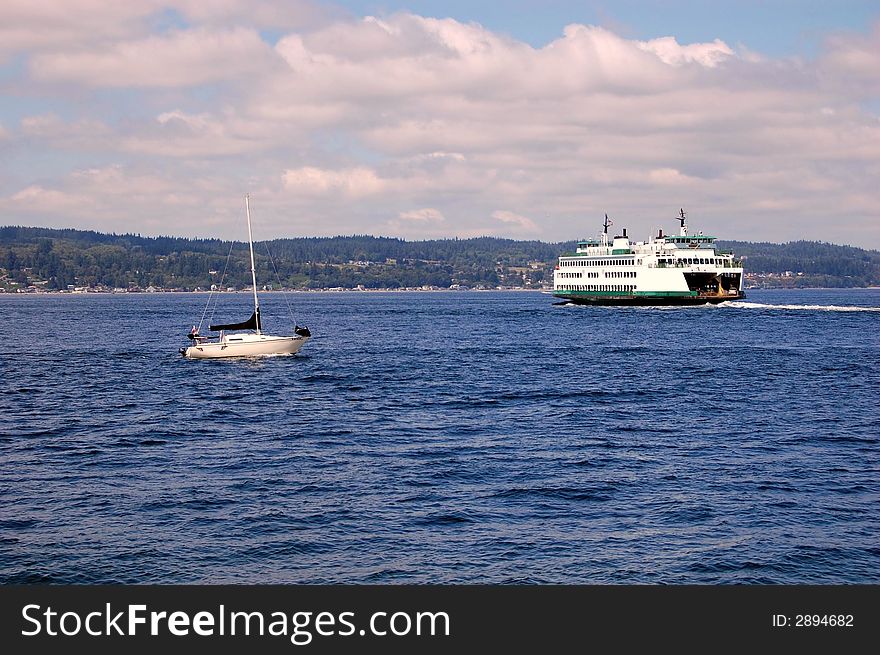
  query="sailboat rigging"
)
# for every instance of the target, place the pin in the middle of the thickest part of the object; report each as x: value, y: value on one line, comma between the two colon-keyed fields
x: 239, y: 344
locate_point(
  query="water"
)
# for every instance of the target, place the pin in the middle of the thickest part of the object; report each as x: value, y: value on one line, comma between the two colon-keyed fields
x: 443, y: 438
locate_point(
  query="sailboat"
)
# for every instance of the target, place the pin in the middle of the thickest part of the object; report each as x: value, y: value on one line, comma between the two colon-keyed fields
x: 244, y: 344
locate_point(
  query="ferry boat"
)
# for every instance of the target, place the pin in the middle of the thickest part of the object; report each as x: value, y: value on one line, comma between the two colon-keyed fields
x: 685, y: 269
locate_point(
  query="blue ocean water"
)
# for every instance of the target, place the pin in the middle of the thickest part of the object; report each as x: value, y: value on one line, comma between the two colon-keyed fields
x: 471, y: 437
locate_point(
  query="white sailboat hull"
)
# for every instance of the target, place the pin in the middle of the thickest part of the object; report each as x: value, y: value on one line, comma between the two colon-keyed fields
x: 245, y: 345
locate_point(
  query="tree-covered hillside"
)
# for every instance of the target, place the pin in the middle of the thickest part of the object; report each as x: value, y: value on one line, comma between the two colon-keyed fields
x: 807, y: 264
x: 48, y: 259
x: 58, y: 259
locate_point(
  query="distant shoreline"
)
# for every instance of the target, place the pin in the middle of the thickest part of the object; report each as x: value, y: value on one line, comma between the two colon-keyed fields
x: 249, y: 292
x: 336, y: 291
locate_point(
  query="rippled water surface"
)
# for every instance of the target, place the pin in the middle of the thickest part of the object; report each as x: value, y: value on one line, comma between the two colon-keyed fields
x: 472, y: 437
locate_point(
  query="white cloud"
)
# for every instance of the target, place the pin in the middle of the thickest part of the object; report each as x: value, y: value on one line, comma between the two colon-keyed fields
x: 853, y: 61
x: 74, y: 26
x: 37, y: 199
x: 670, y: 52
x: 179, y: 58
x: 355, y: 182
x: 425, y: 215
x: 520, y: 223
x: 31, y: 25
x: 669, y: 176
x: 286, y: 15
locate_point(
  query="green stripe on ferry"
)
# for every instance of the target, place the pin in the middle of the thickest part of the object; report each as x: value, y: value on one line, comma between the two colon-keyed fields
x: 664, y: 294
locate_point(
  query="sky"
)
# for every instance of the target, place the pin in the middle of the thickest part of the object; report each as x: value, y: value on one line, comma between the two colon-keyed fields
x: 429, y: 119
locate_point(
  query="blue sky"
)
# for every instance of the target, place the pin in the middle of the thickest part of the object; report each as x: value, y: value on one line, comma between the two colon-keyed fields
x: 429, y: 119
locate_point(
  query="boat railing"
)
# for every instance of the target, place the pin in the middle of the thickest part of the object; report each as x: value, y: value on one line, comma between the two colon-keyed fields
x: 733, y: 264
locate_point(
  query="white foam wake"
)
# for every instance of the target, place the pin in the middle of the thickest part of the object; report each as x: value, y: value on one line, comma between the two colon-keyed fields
x: 815, y: 308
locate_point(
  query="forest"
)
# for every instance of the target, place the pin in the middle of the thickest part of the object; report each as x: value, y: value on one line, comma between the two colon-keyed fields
x: 66, y: 259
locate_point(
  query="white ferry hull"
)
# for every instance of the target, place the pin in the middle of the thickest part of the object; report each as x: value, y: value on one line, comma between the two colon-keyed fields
x: 248, y: 346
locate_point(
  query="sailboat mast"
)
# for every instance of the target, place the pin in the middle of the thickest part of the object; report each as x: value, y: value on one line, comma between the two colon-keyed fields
x: 247, y: 206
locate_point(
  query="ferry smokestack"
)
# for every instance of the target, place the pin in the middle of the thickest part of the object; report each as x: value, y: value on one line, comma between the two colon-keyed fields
x: 624, y: 231
x: 660, y: 235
